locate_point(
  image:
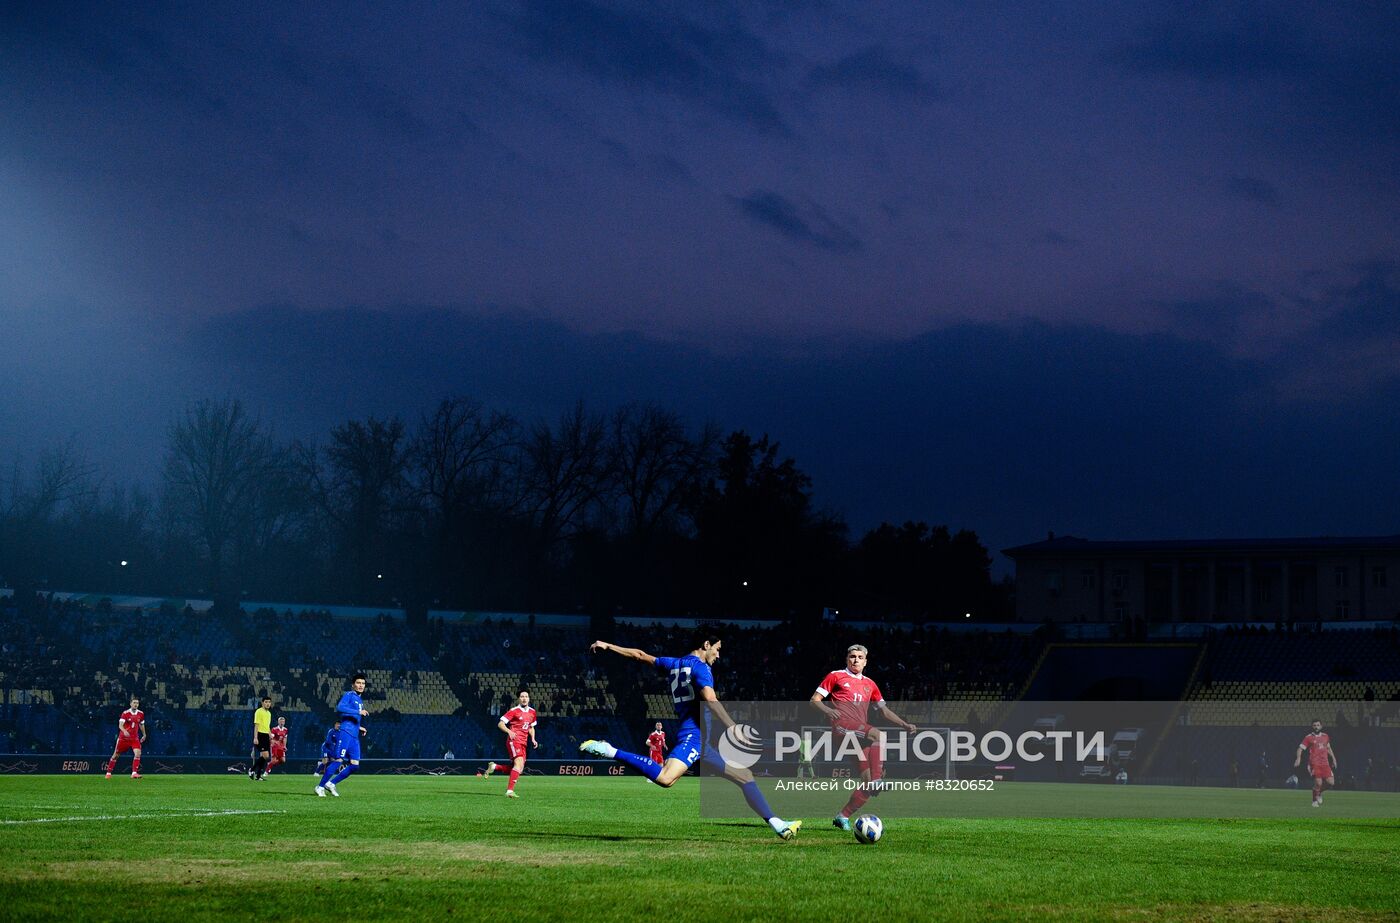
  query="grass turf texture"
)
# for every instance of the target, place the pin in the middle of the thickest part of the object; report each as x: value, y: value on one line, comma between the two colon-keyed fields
x: 617, y: 849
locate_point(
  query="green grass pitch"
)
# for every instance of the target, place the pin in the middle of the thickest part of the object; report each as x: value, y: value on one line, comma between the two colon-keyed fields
x: 451, y: 847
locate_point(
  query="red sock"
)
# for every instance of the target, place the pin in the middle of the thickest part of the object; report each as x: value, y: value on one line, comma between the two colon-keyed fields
x: 136, y: 764
x: 858, y: 797
x: 877, y: 762
x: 112, y: 764
x: 500, y: 767
x: 513, y: 776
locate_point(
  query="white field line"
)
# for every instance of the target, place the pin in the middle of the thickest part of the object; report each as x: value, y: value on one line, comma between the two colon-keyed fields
x: 83, y: 817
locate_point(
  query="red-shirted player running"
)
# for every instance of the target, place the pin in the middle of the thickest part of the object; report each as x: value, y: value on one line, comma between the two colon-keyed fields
x: 279, y: 745
x: 1322, y: 762
x: 851, y: 694
x: 131, y: 734
x: 519, y: 726
x: 656, y: 745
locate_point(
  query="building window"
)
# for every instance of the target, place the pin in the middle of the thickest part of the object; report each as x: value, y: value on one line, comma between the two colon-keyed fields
x: 1343, y: 608
x: 1378, y: 577
x: 1339, y: 577
x: 1120, y: 611
x: 1120, y: 581
x: 1088, y: 580
x: 1264, y: 590
x: 1054, y: 582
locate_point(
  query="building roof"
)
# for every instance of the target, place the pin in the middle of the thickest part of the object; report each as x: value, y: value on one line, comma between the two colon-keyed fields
x: 1073, y: 545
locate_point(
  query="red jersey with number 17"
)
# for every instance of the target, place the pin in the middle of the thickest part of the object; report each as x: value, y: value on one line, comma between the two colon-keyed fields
x: 1316, y: 745
x: 851, y: 694
x: 129, y: 725
x: 519, y: 721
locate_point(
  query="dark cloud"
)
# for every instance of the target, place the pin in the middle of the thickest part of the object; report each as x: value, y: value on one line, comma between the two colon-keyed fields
x: 671, y: 167
x: 1252, y: 189
x: 807, y: 224
x: 1366, y: 309
x: 873, y: 69
x: 1199, y: 48
x: 1008, y: 430
x: 720, y: 68
x: 1322, y: 76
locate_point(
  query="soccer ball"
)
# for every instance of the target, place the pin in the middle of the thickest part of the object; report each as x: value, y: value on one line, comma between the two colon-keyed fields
x: 868, y: 828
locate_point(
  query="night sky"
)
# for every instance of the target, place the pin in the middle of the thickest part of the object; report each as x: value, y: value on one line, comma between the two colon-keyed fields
x: 1117, y: 270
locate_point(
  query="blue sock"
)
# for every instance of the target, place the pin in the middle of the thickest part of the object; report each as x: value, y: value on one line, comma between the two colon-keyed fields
x: 641, y: 763
x: 331, y: 769
x: 344, y: 773
x: 756, y: 800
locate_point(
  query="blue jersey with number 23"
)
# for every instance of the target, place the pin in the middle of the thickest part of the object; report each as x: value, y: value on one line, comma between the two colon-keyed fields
x: 687, y: 676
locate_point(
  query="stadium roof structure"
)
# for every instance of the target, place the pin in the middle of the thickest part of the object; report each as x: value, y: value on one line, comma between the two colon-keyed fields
x: 1073, y: 545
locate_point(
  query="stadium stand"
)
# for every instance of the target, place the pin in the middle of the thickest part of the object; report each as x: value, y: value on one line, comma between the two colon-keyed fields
x: 440, y: 683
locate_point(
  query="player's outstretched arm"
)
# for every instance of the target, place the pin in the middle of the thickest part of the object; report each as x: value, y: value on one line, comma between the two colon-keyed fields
x: 631, y: 653
x: 707, y: 695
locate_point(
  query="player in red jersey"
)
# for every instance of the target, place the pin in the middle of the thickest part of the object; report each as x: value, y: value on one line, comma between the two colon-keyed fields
x: 656, y: 745
x: 519, y: 727
x: 279, y: 745
x: 1322, y: 762
x: 851, y: 693
x: 131, y: 734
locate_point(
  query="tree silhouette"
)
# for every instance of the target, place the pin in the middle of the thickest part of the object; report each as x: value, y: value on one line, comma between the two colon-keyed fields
x: 219, y: 468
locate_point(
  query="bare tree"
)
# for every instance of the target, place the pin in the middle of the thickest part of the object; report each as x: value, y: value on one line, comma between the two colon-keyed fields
x: 566, y: 473
x: 61, y: 475
x: 359, y: 483
x: 658, y: 467
x: 462, y: 460
x: 61, y: 478
x: 218, y: 466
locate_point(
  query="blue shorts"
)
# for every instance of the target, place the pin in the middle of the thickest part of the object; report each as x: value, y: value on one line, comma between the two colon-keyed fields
x: 690, y: 747
x: 347, y: 745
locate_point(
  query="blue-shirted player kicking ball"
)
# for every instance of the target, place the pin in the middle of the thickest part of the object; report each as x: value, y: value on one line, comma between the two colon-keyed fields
x: 345, y: 755
x: 693, y: 694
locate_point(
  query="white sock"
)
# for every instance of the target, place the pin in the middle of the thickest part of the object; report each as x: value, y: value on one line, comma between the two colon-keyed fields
x: 777, y: 823
x: 608, y: 749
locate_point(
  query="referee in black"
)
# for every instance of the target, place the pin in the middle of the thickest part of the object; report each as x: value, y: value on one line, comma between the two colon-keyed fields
x: 262, y: 738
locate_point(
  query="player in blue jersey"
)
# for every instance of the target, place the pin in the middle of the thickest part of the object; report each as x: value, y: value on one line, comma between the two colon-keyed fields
x: 350, y: 709
x: 328, y: 749
x: 693, y: 695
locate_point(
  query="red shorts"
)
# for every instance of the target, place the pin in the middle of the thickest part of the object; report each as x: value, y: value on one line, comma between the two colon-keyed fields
x: 128, y: 743
x: 860, y: 729
x: 279, y: 754
x: 657, y: 756
x: 516, y: 749
x: 1321, y: 772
